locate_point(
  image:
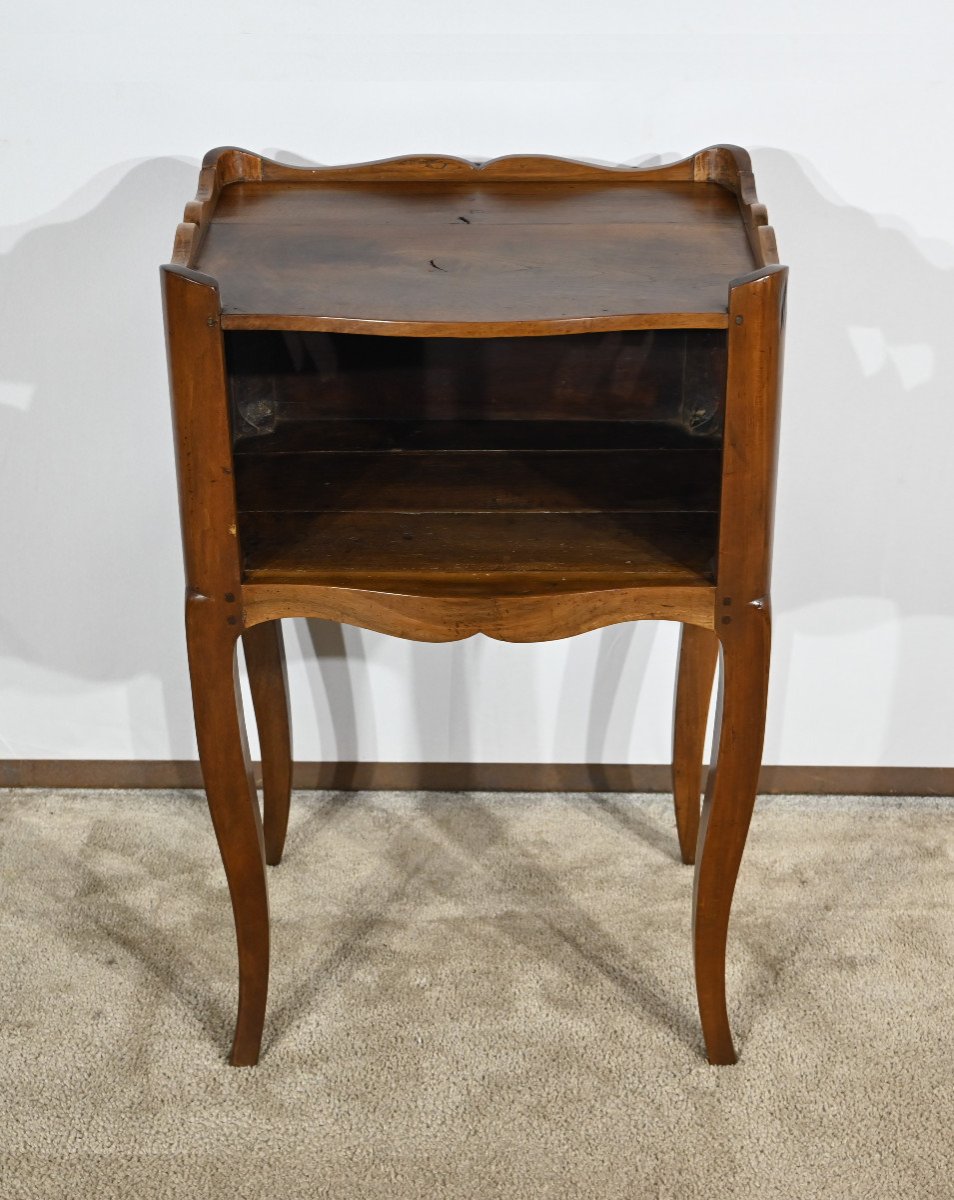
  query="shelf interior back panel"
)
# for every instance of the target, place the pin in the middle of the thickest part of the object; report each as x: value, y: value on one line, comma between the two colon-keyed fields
x: 480, y: 481
x: 589, y: 461
x: 407, y: 435
x: 673, y: 377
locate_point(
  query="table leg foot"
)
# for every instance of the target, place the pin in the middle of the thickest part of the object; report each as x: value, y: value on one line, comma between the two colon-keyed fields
x: 233, y: 804
x: 727, y: 811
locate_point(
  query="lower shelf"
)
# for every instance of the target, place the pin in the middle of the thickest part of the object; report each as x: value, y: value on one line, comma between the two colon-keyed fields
x: 491, y: 508
x: 501, y: 552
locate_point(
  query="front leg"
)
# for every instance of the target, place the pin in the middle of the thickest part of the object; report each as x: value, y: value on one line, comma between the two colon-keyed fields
x: 727, y: 811
x: 233, y: 804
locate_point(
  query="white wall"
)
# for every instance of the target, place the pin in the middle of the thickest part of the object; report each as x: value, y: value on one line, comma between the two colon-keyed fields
x: 105, y: 110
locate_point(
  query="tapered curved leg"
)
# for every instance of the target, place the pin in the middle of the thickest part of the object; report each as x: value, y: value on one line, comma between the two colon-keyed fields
x: 233, y: 803
x: 698, y: 658
x: 268, y: 680
x: 727, y: 811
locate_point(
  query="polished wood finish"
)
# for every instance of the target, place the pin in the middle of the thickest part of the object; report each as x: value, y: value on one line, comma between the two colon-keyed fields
x: 226, y: 772
x: 443, y: 247
x: 480, y: 551
x: 431, y: 398
x: 726, y: 813
x: 447, y: 616
x: 558, y: 271
x: 268, y: 680
x: 698, y: 659
x: 757, y: 309
x: 213, y: 625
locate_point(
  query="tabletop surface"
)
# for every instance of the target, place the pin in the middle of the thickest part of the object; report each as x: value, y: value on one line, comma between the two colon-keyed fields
x: 473, y: 255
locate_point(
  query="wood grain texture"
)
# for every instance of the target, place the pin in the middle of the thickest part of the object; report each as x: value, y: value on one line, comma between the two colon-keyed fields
x: 331, y: 467
x: 486, y: 553
x: 516, y: 327
x: 731, y: 167
x: 213, y: 624
x: 507, y: 169
x: 743, y: 625
x: 698, y: 658
x: 477, y: 280
x: 728, y: 166
x: 521, y: 246
x: 438, y: 617
x: 750, y: 447
x: 203, y: 437
x: 268, y: 682
x: 473, y: 202
x: 233, y: 804
x: 726, y: 814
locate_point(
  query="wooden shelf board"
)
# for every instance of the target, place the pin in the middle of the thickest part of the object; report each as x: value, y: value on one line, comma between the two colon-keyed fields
x: 493, y: 552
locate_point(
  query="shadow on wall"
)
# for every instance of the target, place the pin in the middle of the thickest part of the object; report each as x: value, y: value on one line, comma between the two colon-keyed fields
x: 92, y: 570
x: 92, y: 576
x: 865, y: 479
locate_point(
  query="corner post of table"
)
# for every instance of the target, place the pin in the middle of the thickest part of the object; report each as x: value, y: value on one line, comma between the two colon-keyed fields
x: 214, y: 622
x: 743, y: 628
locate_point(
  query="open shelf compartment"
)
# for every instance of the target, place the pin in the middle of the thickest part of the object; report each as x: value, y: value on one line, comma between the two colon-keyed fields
x: 524, y: 464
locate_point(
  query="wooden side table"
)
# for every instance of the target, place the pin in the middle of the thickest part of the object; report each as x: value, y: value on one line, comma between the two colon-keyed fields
x: 432, y: 398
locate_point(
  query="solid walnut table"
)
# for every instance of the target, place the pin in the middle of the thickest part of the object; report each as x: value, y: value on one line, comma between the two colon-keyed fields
x: 527, y: 398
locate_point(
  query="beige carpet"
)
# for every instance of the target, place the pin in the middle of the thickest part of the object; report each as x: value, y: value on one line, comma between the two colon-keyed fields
x: 474, y: 996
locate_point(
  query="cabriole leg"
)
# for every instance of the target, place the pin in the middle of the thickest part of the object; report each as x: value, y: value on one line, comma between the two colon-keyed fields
x: 233, y: 803
x: 727, y: 811
x: 698, y: 658
x: 268, y: 680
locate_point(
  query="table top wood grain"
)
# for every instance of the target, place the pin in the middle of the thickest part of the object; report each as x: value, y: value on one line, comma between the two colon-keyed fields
x: 441, y: 247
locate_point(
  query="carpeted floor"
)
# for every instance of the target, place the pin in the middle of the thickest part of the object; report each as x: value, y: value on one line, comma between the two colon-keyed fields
x: 474, y: 996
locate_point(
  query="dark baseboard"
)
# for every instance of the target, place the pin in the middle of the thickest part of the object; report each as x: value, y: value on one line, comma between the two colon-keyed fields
x: 502, y: 777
